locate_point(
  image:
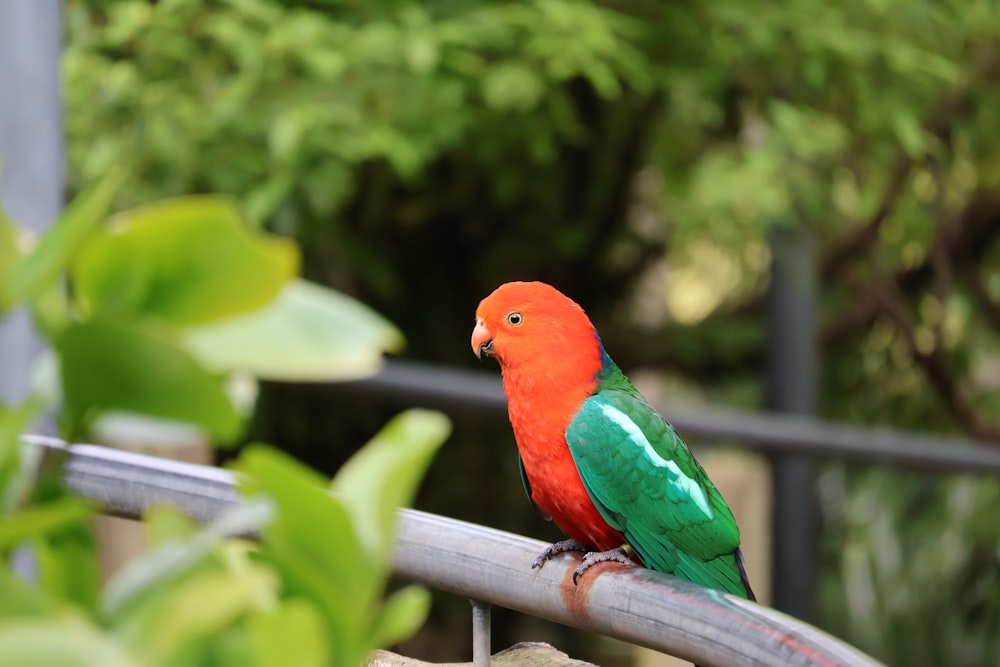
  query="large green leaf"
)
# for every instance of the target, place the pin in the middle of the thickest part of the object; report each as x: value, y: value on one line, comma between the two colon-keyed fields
x: 190, y: 260
x: 384, y: 475
x: 302, y: 503
x: 39, y: 269
x: 313, y: 543
x: 308, y: 333
x: 108, y: 366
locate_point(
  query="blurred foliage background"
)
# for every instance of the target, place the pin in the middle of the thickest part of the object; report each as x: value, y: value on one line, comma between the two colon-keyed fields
x: 634, y: 154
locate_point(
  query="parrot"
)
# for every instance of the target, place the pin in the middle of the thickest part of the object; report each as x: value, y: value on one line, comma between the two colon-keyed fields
x: 593, y: 455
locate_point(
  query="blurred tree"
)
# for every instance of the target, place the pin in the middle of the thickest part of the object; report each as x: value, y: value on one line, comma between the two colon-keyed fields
x: 631, y: 153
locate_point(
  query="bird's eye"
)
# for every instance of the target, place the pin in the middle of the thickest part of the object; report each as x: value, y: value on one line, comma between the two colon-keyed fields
x: 514, y: 319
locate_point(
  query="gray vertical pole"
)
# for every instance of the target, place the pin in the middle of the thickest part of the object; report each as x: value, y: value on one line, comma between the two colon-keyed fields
x: 482, y: 647
x: 31, y: 154
x: 791, y: 388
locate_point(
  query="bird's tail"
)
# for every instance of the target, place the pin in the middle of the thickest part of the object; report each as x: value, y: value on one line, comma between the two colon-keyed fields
x: 743, y: 575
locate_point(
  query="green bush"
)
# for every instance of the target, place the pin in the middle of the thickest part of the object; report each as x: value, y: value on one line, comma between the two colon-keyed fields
x: 309, y: 593
x: 163, y: 303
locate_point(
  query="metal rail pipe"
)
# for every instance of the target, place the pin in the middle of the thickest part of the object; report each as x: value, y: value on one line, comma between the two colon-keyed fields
x: 425, y: 384
x: 635, y: 605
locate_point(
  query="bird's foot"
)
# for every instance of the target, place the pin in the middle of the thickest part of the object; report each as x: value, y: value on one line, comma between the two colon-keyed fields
x: 620, y: 555
x: 560, y: 547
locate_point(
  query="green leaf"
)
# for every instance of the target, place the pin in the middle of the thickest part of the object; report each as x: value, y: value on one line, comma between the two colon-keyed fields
x: 13, y: 422
x: 177, y: 554
x: 9, y: 255
x: 402, y: 615
x: 190, y: 260
x: 40, y: 269
x: 39, y: 520
x: 384, y: 475
x: 308, y: 333
x: 302, y: 502
x: 51, y: 311
x: 207, y: 603
x: 165, y: 524
x: 291, y: 634
x: 58, y: 642
x: 327, y: 565
x: 68, y: 566
x: 17, y: 598
x: 909, y: 132
x: 108, y: 366
x: 511, y: 86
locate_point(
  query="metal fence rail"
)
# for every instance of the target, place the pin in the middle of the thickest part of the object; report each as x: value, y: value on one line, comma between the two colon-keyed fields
x: 420, y: 383
x: 635, y: 605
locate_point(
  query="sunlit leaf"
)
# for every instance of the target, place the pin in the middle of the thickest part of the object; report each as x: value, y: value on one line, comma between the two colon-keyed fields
x: 190, y: 260
x: 384, y: 475
x: 108, y: 366
x: 308, y: 333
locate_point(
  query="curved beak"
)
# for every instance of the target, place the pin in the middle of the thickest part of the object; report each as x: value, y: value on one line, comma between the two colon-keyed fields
x: 482, y: 340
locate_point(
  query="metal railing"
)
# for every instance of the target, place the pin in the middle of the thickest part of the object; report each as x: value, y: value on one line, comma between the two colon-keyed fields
x: 494, y: 567
x: 769, y: 433
x: 782, y: 437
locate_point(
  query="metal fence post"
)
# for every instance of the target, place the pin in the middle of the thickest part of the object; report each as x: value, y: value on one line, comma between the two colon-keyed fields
x: 31, y: 153
x: 31, y: 171
x: 482, y: 647
x: 791, y: 388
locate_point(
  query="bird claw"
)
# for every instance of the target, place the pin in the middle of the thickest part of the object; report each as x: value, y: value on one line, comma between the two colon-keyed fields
x: 592, y: 558
x: 559, y: 547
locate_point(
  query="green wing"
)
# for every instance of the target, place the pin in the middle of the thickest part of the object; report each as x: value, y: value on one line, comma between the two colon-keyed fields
x: 648, y: 486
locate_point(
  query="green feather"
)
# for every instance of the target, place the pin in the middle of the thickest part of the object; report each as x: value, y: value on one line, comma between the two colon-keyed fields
x: 647, y: 485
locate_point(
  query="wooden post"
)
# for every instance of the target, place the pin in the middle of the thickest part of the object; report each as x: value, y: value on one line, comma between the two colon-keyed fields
x: 121, y: 540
